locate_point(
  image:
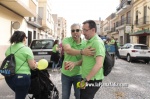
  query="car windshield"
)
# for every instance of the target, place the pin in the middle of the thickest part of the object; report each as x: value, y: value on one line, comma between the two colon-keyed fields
x: 42, y: 44
x: 140, y: 47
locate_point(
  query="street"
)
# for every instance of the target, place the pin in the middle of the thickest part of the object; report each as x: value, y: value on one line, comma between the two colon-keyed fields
x: 126, y: 81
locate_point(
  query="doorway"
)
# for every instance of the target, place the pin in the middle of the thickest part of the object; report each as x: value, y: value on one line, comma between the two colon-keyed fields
x: 34, y: 36
x: 142, y: 39
x: 29, y: 37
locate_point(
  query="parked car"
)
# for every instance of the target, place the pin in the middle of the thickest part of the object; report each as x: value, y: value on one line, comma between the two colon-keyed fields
x: 42, y: 49
x: 135, y: 52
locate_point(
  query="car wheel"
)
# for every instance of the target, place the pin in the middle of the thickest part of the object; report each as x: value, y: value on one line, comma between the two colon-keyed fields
x: 146, y: 61
x: 128, y: 58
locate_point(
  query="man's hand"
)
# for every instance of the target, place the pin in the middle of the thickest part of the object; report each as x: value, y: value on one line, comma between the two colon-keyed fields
x: 69, y: 65
x: 82, y: 84
x: 88, y: 51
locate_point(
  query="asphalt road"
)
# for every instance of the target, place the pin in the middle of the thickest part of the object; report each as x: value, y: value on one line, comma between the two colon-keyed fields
x: 126, y: 81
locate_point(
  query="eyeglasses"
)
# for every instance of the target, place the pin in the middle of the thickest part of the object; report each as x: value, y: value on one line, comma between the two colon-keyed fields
x: 26, y: 37
x: 84, y: 30
x: 77, y: 30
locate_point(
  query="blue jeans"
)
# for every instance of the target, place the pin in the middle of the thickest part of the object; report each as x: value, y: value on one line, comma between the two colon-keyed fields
x: 20, y: 84
x: 54, y: 65
x: 66, y: 86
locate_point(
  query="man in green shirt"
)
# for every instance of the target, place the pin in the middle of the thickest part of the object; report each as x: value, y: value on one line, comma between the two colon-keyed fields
x: 92, y: 71
x: 73, y: 48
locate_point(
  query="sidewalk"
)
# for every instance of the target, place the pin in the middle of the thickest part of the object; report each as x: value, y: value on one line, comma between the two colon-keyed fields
x: 1, y: 77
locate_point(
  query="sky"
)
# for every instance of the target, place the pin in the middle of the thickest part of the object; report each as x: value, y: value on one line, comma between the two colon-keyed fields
x: 77, y: 11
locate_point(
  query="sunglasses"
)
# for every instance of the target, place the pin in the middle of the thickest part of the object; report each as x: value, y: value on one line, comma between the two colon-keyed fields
x: 77, y: 30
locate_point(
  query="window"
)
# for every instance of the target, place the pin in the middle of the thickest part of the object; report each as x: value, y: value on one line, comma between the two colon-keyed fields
x: 128, y: 20
x: 125, y: 46
x: 39, y: 44
x: 128, y: 46
x: 136, y: 18
x: 145, y: 14
x: 140, y: 47
x: 34, y: 36
x: 122, y: 20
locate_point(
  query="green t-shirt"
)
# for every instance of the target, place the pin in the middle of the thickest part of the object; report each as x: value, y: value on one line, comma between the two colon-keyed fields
x: 74, y: 45
x: 54, y: 48
x: 21, y: 56
x: 118, y: 44
x: 89, y: 61
x: 112, y: 41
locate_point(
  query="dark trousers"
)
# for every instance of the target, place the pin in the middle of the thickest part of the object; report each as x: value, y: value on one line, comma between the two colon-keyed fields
x: 61, y: 61
x: 20, y: 84
x: 91, y: 88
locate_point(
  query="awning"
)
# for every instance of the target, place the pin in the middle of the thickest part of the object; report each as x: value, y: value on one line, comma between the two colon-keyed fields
x: 141, y: 33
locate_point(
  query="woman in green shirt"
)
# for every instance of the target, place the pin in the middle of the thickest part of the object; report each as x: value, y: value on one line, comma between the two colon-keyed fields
x: 55, y: 55
x: 24, y: 58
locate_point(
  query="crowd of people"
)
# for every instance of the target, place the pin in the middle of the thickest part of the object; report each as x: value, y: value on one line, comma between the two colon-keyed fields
x: 80, y: 61
x: 113, y: 41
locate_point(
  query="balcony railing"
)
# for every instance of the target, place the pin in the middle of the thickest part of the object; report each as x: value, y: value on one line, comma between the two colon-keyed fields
x: 123, y: 3
x: 142, y: 21
x: 126, y: 20
x: 113, y: 29
x: 36, y: 21
x: 107, y: 29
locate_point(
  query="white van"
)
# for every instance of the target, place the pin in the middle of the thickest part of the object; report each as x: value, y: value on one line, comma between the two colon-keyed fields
x: 42, y: 49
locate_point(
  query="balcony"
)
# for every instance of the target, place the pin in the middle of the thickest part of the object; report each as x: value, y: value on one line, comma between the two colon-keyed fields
x: 107, y: 29
x: 123, y: 22
x: 144, y: 21
x: 113, y: 30
x: 25, y: 8
x: 35, y: 21
x: 123, y: 6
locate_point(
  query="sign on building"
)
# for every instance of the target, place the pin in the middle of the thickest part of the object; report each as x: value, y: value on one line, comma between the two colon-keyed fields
x: 127, y: 29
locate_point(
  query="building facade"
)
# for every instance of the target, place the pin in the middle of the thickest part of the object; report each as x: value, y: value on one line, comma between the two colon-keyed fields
x: 130, y: 23
x: 34, y: 17
x: 141, y: 20
x: 12, y: 18
x: 98, y: 26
